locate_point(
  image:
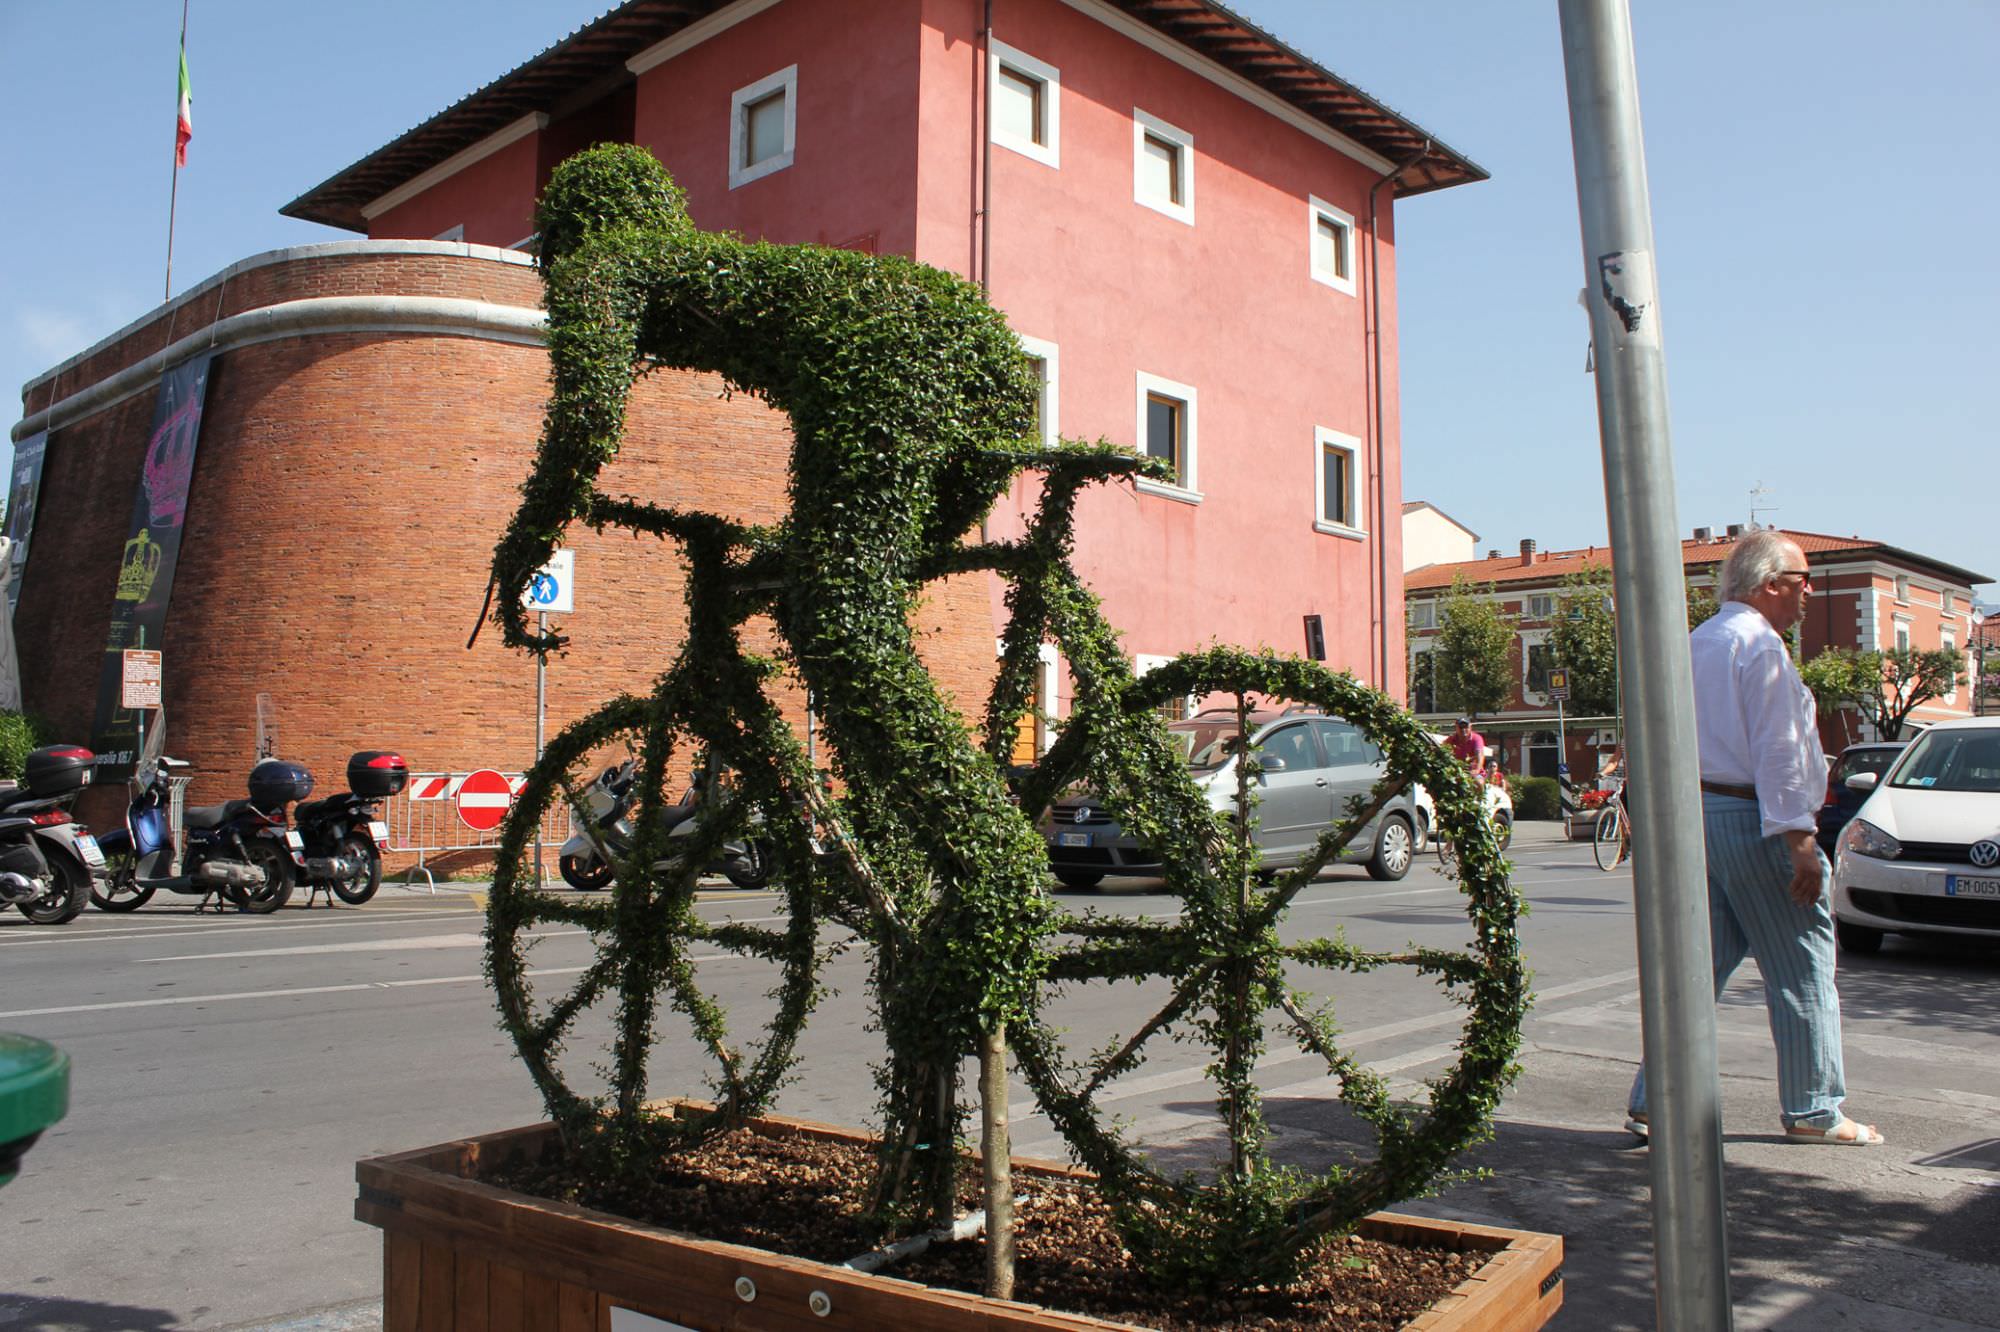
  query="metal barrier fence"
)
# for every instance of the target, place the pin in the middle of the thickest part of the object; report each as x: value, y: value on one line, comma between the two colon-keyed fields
x: 423, y: 821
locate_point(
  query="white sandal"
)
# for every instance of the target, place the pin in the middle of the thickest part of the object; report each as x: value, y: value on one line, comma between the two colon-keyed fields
x: 1847, y: 1133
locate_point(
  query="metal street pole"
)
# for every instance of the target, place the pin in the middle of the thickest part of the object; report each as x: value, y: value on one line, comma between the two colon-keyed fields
x: 541, y: 721
x: 1676, y: 978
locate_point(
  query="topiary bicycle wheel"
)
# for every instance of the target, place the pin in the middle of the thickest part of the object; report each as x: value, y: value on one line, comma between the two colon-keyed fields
x: 1228, y: 968
x: 648, y: 940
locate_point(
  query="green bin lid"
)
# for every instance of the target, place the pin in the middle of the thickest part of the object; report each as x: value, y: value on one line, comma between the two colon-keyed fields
x: 34, y: 1093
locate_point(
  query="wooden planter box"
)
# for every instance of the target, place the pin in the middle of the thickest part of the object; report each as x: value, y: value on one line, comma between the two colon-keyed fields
x: 462, y: 1256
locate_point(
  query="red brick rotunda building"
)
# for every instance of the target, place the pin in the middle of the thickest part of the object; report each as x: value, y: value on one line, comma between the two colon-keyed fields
x: 369, y: 414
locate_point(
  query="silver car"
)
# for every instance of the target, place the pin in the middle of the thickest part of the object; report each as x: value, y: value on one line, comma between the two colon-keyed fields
x: 1312, y: 765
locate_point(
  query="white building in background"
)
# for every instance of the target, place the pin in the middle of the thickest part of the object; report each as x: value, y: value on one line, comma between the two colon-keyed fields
x: 1432, y: 536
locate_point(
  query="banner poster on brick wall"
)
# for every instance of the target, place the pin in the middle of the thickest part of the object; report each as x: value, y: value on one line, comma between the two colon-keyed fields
x: 146, y: 570
x: 22, y: 492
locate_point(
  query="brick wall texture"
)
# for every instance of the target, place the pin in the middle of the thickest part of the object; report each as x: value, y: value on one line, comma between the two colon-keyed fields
x: 347, y: 494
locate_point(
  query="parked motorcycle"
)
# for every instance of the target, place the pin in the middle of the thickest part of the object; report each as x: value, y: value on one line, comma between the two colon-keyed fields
x: 344, y: 834
x: 603, y: 834
x: 49, y: 866
x: 241, y: 851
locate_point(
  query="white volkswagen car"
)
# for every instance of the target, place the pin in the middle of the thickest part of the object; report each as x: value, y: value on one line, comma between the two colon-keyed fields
x: 1923, y: 854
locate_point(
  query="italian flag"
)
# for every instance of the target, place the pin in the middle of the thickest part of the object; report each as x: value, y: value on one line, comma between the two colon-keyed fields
x: 184, y: 124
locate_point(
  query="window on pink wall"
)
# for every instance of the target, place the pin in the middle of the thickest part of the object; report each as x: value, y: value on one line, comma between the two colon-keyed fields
x: 1332, y: 245
x: 1338, y: 502
x: 763, y: 126
x: 1166, y: 428
x: 1026, y: 114
x: 1162, y: 166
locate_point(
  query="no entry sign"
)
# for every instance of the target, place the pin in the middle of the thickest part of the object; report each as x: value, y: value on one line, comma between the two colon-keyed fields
x: 483, y: 798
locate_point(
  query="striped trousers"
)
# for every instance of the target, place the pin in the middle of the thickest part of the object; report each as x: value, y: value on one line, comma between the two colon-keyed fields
x: 1751, y: 913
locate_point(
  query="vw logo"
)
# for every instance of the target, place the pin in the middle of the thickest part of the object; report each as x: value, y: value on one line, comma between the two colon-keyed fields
x: 1984, y: 855
x: 1082, y: 815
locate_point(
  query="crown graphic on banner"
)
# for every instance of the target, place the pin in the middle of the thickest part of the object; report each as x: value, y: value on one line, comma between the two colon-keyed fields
x: 139, y: 568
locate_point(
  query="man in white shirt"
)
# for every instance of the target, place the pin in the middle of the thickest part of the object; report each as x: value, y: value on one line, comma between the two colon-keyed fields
x: 1763, y: 777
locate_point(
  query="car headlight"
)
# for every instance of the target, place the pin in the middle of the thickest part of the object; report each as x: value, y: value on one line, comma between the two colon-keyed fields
x: 1865, y: 839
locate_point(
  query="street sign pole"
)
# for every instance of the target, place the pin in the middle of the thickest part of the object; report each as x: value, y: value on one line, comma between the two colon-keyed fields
x: 541, y: 714
x: 552, y: 589
x: 1676, y: 984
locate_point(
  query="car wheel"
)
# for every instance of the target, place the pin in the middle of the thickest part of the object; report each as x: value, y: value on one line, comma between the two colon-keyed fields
x: 1857, y: 939
x: 1079, y: 878
x: 1395, y: 846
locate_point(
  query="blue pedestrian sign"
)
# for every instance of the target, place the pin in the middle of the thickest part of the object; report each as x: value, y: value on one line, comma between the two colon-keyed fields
x: 552, y: 591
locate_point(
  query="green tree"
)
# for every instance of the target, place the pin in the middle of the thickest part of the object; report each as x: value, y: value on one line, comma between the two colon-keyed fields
x: 1472, y: 651
x: 1911, y: 678
x: 1701, y: 605
x: 1585, y: 639
x: 1883, y: 687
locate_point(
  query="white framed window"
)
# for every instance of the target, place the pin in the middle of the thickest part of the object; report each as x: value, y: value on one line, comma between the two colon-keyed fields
x: 1541, y: 606
x: 456, y: 233
x: 1166, y: 430
x: 1178, y: 708
x: 763, y: 126
x: 1423, y: 615
x: 1043, y: 357
x: 1947, y: 642
x: 1902, y: 634
x: 1536, y: 658
x: 1337, y: 483
x: 1025, y: 104
x: 1162, y: 166
x: 1332, y: 242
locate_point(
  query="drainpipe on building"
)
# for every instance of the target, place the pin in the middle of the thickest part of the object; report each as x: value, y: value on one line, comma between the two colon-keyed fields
x: 1379, y: 591
x: 982, y: 98
x: 982, y: 206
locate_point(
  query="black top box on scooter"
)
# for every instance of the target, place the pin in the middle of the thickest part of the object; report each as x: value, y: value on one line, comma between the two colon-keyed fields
x: 377, y: 773
x: 275, y: 783
x: 55, y: 770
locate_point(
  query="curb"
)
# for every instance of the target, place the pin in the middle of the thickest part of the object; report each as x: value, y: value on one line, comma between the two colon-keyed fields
x: 357, y: 1316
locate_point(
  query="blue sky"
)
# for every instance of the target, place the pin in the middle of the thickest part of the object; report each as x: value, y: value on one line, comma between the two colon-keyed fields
x: 1824, y: 210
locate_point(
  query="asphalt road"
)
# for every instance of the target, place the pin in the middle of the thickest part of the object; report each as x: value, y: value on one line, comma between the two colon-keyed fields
x: 229, y: 1071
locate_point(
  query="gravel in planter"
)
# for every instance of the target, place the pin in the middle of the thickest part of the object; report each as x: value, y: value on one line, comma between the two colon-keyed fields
x: 802, y: 1196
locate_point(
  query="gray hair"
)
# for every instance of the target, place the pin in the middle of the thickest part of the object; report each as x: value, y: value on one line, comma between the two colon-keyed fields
x: 1753, y: 561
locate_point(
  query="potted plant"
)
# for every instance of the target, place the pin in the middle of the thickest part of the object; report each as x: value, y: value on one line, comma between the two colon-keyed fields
x: 927, y: 854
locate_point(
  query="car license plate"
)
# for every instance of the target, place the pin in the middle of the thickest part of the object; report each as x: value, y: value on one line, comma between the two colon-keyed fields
x: 379, y: 831
x: 87, y: 845
x: 1958, y: 885
x: 1072, y: 839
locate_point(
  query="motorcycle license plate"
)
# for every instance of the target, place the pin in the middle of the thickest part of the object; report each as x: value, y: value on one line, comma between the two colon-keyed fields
x: 92, y: 854
x: 379, y: 831
x: 295, y: 840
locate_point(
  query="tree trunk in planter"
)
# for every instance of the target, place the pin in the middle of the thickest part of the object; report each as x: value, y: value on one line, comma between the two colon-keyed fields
x: 463, y: 1256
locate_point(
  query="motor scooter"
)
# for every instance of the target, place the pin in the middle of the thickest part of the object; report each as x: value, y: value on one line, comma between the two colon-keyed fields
x: 241, y: 852
x: 604, y: 834
x: 48, y: 864
x: 345, y: 835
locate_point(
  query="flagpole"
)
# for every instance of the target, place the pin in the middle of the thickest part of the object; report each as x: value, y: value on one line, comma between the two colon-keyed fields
x: 173, y: 193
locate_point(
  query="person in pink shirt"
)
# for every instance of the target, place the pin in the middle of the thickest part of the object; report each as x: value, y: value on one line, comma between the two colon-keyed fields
x: 1468, y: 744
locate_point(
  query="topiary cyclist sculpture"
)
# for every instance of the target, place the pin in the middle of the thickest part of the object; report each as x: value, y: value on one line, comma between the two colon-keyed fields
x: 911, y: 404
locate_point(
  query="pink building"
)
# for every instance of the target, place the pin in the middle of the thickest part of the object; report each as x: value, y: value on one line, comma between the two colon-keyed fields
x: 1189, y: 224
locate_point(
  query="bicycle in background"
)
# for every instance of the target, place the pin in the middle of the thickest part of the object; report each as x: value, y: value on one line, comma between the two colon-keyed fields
x: 1612, y: 840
